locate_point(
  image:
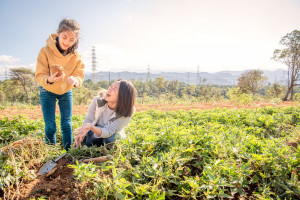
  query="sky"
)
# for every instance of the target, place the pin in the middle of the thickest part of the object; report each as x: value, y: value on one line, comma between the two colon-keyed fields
x: 164, y: 35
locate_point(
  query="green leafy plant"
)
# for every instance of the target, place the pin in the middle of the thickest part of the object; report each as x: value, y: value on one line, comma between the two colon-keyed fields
x: 238, y: 97
x: 196, y: 154
x: 84, y: 172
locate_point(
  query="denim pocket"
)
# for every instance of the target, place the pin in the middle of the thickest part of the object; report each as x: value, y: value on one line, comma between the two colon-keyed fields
x: 43, y: 90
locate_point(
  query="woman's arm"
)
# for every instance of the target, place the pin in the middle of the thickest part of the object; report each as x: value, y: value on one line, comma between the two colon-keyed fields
x: 110, y: 129
x: 78, y: 72
x: 96, y: 130
x: 42, y: 70
x: 90, y: 117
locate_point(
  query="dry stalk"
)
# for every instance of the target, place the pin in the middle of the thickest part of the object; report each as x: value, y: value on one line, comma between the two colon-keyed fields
x: 24, y: 155
x: 11, y: 155
x: 21, y: 143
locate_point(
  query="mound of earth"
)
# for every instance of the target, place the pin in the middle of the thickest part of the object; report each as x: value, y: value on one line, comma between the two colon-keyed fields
x: 57, y: 184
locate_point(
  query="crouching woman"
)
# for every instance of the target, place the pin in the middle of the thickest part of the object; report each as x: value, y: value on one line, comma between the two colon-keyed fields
x: 108, y: 114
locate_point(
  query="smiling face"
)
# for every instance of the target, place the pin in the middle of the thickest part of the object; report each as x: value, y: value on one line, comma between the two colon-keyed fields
x: 113, y: 93
x: 66, y: 39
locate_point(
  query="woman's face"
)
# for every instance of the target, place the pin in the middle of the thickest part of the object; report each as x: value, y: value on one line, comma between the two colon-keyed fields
x: 113, y: 93
x: 66, y: 39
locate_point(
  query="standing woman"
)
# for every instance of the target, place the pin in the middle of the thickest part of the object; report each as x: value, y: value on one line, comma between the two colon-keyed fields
x: 59, y: 51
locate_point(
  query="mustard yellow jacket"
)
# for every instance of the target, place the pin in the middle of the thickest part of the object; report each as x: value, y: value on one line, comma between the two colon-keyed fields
x: 71, y: 63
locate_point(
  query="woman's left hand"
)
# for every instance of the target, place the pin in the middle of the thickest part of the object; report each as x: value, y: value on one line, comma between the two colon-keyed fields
x: 73, y: 81
x: 81, y: 133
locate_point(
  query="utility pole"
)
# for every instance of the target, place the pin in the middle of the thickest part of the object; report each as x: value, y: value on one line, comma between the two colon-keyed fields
x: 109, y: 78
x: 198, y: 76
x: 94, y: 63
x: 148, y: 74
x: 6, y: 74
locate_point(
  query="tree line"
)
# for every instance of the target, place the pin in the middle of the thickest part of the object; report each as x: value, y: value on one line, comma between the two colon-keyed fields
x: 22, y: 87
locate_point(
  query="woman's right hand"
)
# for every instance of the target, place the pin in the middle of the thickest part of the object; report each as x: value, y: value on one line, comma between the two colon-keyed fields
x: 53, y: 77
x: 81, y: 133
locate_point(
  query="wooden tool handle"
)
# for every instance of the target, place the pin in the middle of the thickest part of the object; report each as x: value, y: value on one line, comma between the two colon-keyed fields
x: 97, y: 159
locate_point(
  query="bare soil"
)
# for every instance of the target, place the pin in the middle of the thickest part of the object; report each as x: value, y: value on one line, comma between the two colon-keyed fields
x: 36, y: 111
x: 61, y: 184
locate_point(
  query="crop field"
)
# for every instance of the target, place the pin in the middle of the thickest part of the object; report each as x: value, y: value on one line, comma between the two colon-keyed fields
x: 35, y: 112
x: 188, y: 154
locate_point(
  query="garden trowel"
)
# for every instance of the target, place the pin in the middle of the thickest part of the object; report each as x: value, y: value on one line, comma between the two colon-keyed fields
x: 48, y: 166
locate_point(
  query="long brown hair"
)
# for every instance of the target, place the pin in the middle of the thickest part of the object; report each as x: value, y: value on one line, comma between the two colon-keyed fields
x: 126, y: 99
x: 70, y: 25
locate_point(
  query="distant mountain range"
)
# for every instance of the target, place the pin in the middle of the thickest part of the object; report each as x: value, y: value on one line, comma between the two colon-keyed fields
x: 218, y: 78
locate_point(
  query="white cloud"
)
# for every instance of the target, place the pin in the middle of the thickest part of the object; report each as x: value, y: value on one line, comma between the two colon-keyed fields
x: 8, y: 59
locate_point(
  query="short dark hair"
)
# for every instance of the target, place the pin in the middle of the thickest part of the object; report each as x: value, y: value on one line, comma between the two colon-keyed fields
x: 126, y: 99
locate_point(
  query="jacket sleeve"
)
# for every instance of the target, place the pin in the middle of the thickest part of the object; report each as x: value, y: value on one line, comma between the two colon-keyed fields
x: 79, y: 71
x: 90, y: 117
x: 114, y: 127
x: 42, y: 69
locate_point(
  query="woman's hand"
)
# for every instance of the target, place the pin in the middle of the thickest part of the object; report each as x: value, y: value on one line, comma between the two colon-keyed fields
x: 81, y: 133
x: 53, y: 77
x: 72, y: 80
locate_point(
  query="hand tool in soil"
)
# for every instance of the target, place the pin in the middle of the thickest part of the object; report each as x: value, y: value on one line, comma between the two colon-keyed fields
x: 97, y: 159
x: 48, y: 166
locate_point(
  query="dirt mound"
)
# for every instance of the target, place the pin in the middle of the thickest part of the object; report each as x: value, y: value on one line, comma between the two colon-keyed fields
x: 61, y: 184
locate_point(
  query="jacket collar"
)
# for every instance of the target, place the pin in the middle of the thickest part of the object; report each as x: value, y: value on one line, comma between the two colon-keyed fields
x: 51, y: 43
x: 103, y: 104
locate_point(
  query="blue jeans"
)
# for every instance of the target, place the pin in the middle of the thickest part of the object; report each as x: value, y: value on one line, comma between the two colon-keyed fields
x: 65, y: 103
x: 90, y: 140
